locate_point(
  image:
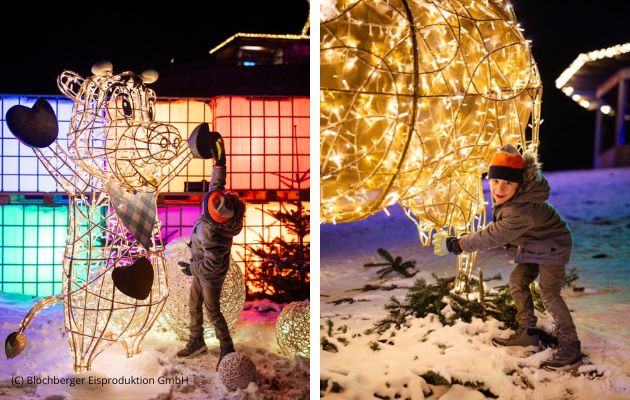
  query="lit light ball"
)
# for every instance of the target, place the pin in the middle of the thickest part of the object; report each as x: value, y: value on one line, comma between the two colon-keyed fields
x: 293, y: 329
x: 416, y: 97
x: 237, y: 370
x: 175, y: 314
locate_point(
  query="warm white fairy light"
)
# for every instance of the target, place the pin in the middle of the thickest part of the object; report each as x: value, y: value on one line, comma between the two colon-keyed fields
x: 434, y: 89
x: 293, y: 329
x: 594, y: 55
x: 585, y: 100
x: 112, y: 138
x: 303, y: 35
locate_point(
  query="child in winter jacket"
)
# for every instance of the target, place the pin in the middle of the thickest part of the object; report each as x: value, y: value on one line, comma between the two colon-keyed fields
x: 523, y: 217
x: 210, y: 245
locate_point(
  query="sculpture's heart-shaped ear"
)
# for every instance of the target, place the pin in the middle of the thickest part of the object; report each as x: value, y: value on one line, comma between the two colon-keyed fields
x: 134, y: 280
x: 200, y: 142
x: 35, y: 127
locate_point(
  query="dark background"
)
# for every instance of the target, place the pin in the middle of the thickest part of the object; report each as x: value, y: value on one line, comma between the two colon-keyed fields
x: 40, y: 41
x: 560, y: 31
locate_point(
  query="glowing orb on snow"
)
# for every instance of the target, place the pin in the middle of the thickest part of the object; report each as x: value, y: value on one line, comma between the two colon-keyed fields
x: 237, y: 370
x: 293, y: 329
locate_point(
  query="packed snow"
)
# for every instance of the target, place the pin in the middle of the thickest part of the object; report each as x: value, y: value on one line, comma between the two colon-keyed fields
x: 155, y: 373
x: 595, y: 203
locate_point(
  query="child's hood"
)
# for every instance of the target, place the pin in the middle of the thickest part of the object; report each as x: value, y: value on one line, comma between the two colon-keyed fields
x: 534, y: 188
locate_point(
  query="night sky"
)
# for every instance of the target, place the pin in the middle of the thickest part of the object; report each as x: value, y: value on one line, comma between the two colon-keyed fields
x: 40, y: 41
x: 37, y: 47
x: 560, y: 31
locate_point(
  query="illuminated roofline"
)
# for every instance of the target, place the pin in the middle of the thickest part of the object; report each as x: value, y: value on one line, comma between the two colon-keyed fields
x: 257, y: 35
x: 583, y: 58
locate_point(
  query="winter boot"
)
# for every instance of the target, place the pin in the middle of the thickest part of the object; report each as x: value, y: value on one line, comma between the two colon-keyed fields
x: 195, y: 345
x: 226, y: 348
x: 568, y: 354
x: 524, y: 337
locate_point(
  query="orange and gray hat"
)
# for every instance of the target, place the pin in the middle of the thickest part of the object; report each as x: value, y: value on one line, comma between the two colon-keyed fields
x: 216, y: 207
x: 507, y: 164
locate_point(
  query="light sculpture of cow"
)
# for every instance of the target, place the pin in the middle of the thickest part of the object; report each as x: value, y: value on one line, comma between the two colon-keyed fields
x: 116, y: 160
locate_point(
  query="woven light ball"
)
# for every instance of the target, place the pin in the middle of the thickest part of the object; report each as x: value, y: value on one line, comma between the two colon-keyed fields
x: 175, y: 314
x: 237, y: 370
x: 293, y: 329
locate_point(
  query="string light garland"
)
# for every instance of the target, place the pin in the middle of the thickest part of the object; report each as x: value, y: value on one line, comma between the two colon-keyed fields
x: 293, y: 329
x: 416, y: 97
x: 588, y: 102
x: 303, y: 34
x: 175, y: 315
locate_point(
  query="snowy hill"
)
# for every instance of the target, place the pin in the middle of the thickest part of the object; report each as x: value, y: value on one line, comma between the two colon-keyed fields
x: 155, y: 373
x: 596, y: 204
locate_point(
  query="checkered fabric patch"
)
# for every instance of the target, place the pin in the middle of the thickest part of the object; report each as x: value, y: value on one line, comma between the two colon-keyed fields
x: 137, y: 212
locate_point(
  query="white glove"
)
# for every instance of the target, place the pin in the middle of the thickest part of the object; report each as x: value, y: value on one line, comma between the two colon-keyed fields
x: 439, y: 244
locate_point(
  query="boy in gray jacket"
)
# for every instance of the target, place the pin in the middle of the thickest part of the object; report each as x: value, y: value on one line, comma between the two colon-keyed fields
x: 523, y: 217
x: 210, y: 247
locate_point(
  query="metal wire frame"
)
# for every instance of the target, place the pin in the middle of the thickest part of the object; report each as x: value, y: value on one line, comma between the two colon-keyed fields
x: 112, y: 136
x: 416, y: 98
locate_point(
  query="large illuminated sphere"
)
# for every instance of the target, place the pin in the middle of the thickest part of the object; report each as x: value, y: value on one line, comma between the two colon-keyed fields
x: 237, y: 370
x: 416, y: 97
x: 175, y: 314
x: 293, y: 329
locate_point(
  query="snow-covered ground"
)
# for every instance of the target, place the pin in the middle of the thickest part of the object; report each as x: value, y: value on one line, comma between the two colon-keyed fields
x: 47, y: 356
x: 596, y: 205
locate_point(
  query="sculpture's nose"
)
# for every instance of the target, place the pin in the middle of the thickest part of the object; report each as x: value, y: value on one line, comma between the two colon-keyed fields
x: 162, y: 141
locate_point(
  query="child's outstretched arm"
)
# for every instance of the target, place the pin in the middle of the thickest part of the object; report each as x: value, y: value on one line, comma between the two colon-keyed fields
x: 497, y: 233
x: 217, y: 182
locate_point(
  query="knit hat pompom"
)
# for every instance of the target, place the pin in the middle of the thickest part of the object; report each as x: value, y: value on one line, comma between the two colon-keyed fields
x: 507, y: 164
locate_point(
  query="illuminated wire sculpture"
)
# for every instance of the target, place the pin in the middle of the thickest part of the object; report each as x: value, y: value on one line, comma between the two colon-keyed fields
x: 175, y: 315
x: 293, y: 329
x: 416, y: 97
x: 114, y: 277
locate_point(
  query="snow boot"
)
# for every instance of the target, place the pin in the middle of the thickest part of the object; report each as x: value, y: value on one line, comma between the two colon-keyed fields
x: 568, y: 355
x: 226, y: 348
x: 195, y: 345
x: 524, y: 337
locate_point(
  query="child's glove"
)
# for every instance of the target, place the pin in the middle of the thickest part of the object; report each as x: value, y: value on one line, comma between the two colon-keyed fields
x: 452, y: 244
x: 439, y: 244
x: 217, y: 149
x: 184, y: 267
x: 443, y: 245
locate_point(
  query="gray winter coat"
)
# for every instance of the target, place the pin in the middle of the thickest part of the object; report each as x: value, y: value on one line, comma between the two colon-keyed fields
x: 528, y: 221
x: 211, y: 242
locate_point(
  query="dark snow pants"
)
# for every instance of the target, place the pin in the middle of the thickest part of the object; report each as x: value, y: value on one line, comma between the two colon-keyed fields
x: 204, y: 293
x: 550, y: 282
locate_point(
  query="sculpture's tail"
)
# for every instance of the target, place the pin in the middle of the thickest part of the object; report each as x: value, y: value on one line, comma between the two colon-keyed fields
x: 16, y: 342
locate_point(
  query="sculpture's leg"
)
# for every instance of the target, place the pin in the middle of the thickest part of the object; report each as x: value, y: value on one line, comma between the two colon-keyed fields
x: 466, y: 261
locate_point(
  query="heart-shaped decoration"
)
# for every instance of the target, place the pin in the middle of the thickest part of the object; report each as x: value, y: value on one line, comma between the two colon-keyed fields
x: 200, y: 141
x: 35, y: 127
x: 15, y: 343
x: 136, y: 211
x: 134, y: 280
